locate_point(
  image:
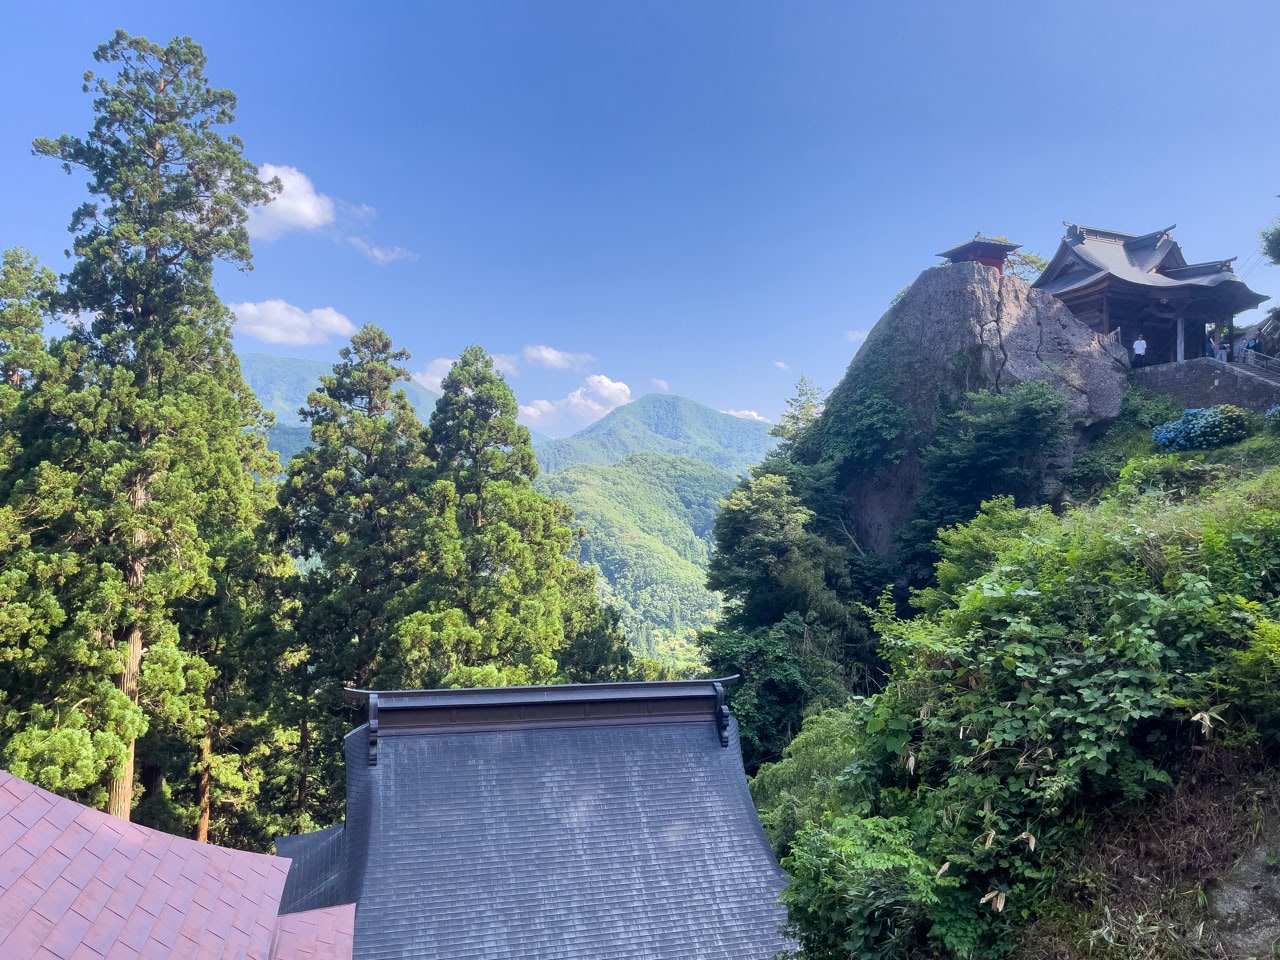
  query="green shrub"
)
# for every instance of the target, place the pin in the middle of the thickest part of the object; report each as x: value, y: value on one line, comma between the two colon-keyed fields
x: 1077, y: 674
x: 1129, y: 435
x: 1204, y: 429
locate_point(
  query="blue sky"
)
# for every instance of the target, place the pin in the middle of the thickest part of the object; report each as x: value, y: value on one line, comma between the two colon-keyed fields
x: 708, y: 198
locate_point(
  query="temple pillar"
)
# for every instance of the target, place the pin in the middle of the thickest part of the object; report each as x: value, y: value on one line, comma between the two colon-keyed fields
x: 1182, y: 338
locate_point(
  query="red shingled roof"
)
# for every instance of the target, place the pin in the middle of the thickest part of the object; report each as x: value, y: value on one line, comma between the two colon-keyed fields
x: 76, y: 884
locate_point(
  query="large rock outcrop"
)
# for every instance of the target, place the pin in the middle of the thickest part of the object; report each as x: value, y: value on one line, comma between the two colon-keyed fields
x: 959, y: 328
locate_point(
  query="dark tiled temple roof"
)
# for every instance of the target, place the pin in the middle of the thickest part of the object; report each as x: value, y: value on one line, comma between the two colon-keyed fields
x: 1089, y: 257
x: 550, y: 823
x: 76, y: 884
x: 316, y: 934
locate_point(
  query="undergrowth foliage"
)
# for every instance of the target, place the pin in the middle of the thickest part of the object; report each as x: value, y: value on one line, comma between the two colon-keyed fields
x: 1083, y: 660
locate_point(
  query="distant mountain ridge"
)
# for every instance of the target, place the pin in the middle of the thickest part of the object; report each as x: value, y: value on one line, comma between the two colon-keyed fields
x: 661, y: 423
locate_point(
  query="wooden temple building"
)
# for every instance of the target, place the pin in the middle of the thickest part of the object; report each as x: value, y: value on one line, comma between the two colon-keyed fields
x: 1127, y: 284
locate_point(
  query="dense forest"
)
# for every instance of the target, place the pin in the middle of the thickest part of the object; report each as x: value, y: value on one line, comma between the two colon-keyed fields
x: 1038, y: 725
x: 179, y: 616
x: 641, y: 481
x: 648, y: 528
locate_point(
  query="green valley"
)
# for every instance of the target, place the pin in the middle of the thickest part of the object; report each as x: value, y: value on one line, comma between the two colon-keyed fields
x: 648, y: 522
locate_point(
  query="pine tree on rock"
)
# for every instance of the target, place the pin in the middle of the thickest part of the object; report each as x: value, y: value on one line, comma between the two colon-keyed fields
x: 148, y: 405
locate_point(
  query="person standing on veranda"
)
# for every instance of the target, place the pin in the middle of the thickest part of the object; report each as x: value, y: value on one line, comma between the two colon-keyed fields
x: 1139, y: 351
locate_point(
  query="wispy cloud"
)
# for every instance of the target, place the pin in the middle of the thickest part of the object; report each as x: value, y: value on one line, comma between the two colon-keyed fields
x: 591, y: 401
x: 544, y: 356
x: 855, y: 336
x: 782, y: 365
x: 357, y: 211
x: 434, y: 374
x: 298, y: 205
x: 275, y: 321
x: 381, y: 255
x: 661, y: 385
x: 747, y: 415
x: 506, y: 363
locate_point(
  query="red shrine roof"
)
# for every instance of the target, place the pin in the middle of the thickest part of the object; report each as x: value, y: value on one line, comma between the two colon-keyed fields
x: 76, y: 884
x: 981, y: 249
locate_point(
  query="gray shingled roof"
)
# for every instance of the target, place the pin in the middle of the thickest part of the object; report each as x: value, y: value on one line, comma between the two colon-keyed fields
x: 556, y: 840
x: 1088, y: 256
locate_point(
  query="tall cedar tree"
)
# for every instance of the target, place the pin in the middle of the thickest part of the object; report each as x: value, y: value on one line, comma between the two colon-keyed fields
x: 147, y: 416
x: 427, y: 557
x: 515, y: 596
x: 354, y: 512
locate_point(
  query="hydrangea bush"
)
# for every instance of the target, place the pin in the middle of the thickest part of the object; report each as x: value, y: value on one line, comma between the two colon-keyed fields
x: 1272, y: 416
x: 1203, y: 429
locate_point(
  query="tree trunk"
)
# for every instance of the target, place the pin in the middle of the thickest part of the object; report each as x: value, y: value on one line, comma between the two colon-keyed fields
x: 304, y: 751
x: 152, y: 777
x: 120, y: 789
x: 204, y: 789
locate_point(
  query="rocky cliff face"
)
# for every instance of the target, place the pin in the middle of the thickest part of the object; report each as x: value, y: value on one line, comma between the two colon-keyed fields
x: 958, y: 328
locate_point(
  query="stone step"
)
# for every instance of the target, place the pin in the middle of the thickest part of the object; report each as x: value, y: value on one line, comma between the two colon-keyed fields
x: 1261, y: 371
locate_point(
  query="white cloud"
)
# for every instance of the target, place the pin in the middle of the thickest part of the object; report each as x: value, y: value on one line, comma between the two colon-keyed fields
x: 275, y: 321
x: 782, y: 365
x: 747, y: 415
x: 296, y: 207
x: 855, y: 336
x: 506, y: 363
x: 591, y: 401
x: 661, y: 385
x: 435, y: 373
x: 381, y: 255
x: 545, y: 356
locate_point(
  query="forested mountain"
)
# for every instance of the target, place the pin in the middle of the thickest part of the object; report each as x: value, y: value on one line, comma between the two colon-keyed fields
x: 648, y: 522
x: 645, y: 487
x: 661, y: 423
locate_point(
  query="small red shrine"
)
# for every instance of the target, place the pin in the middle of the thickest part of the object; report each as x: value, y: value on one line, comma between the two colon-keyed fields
x: 989, y: 253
